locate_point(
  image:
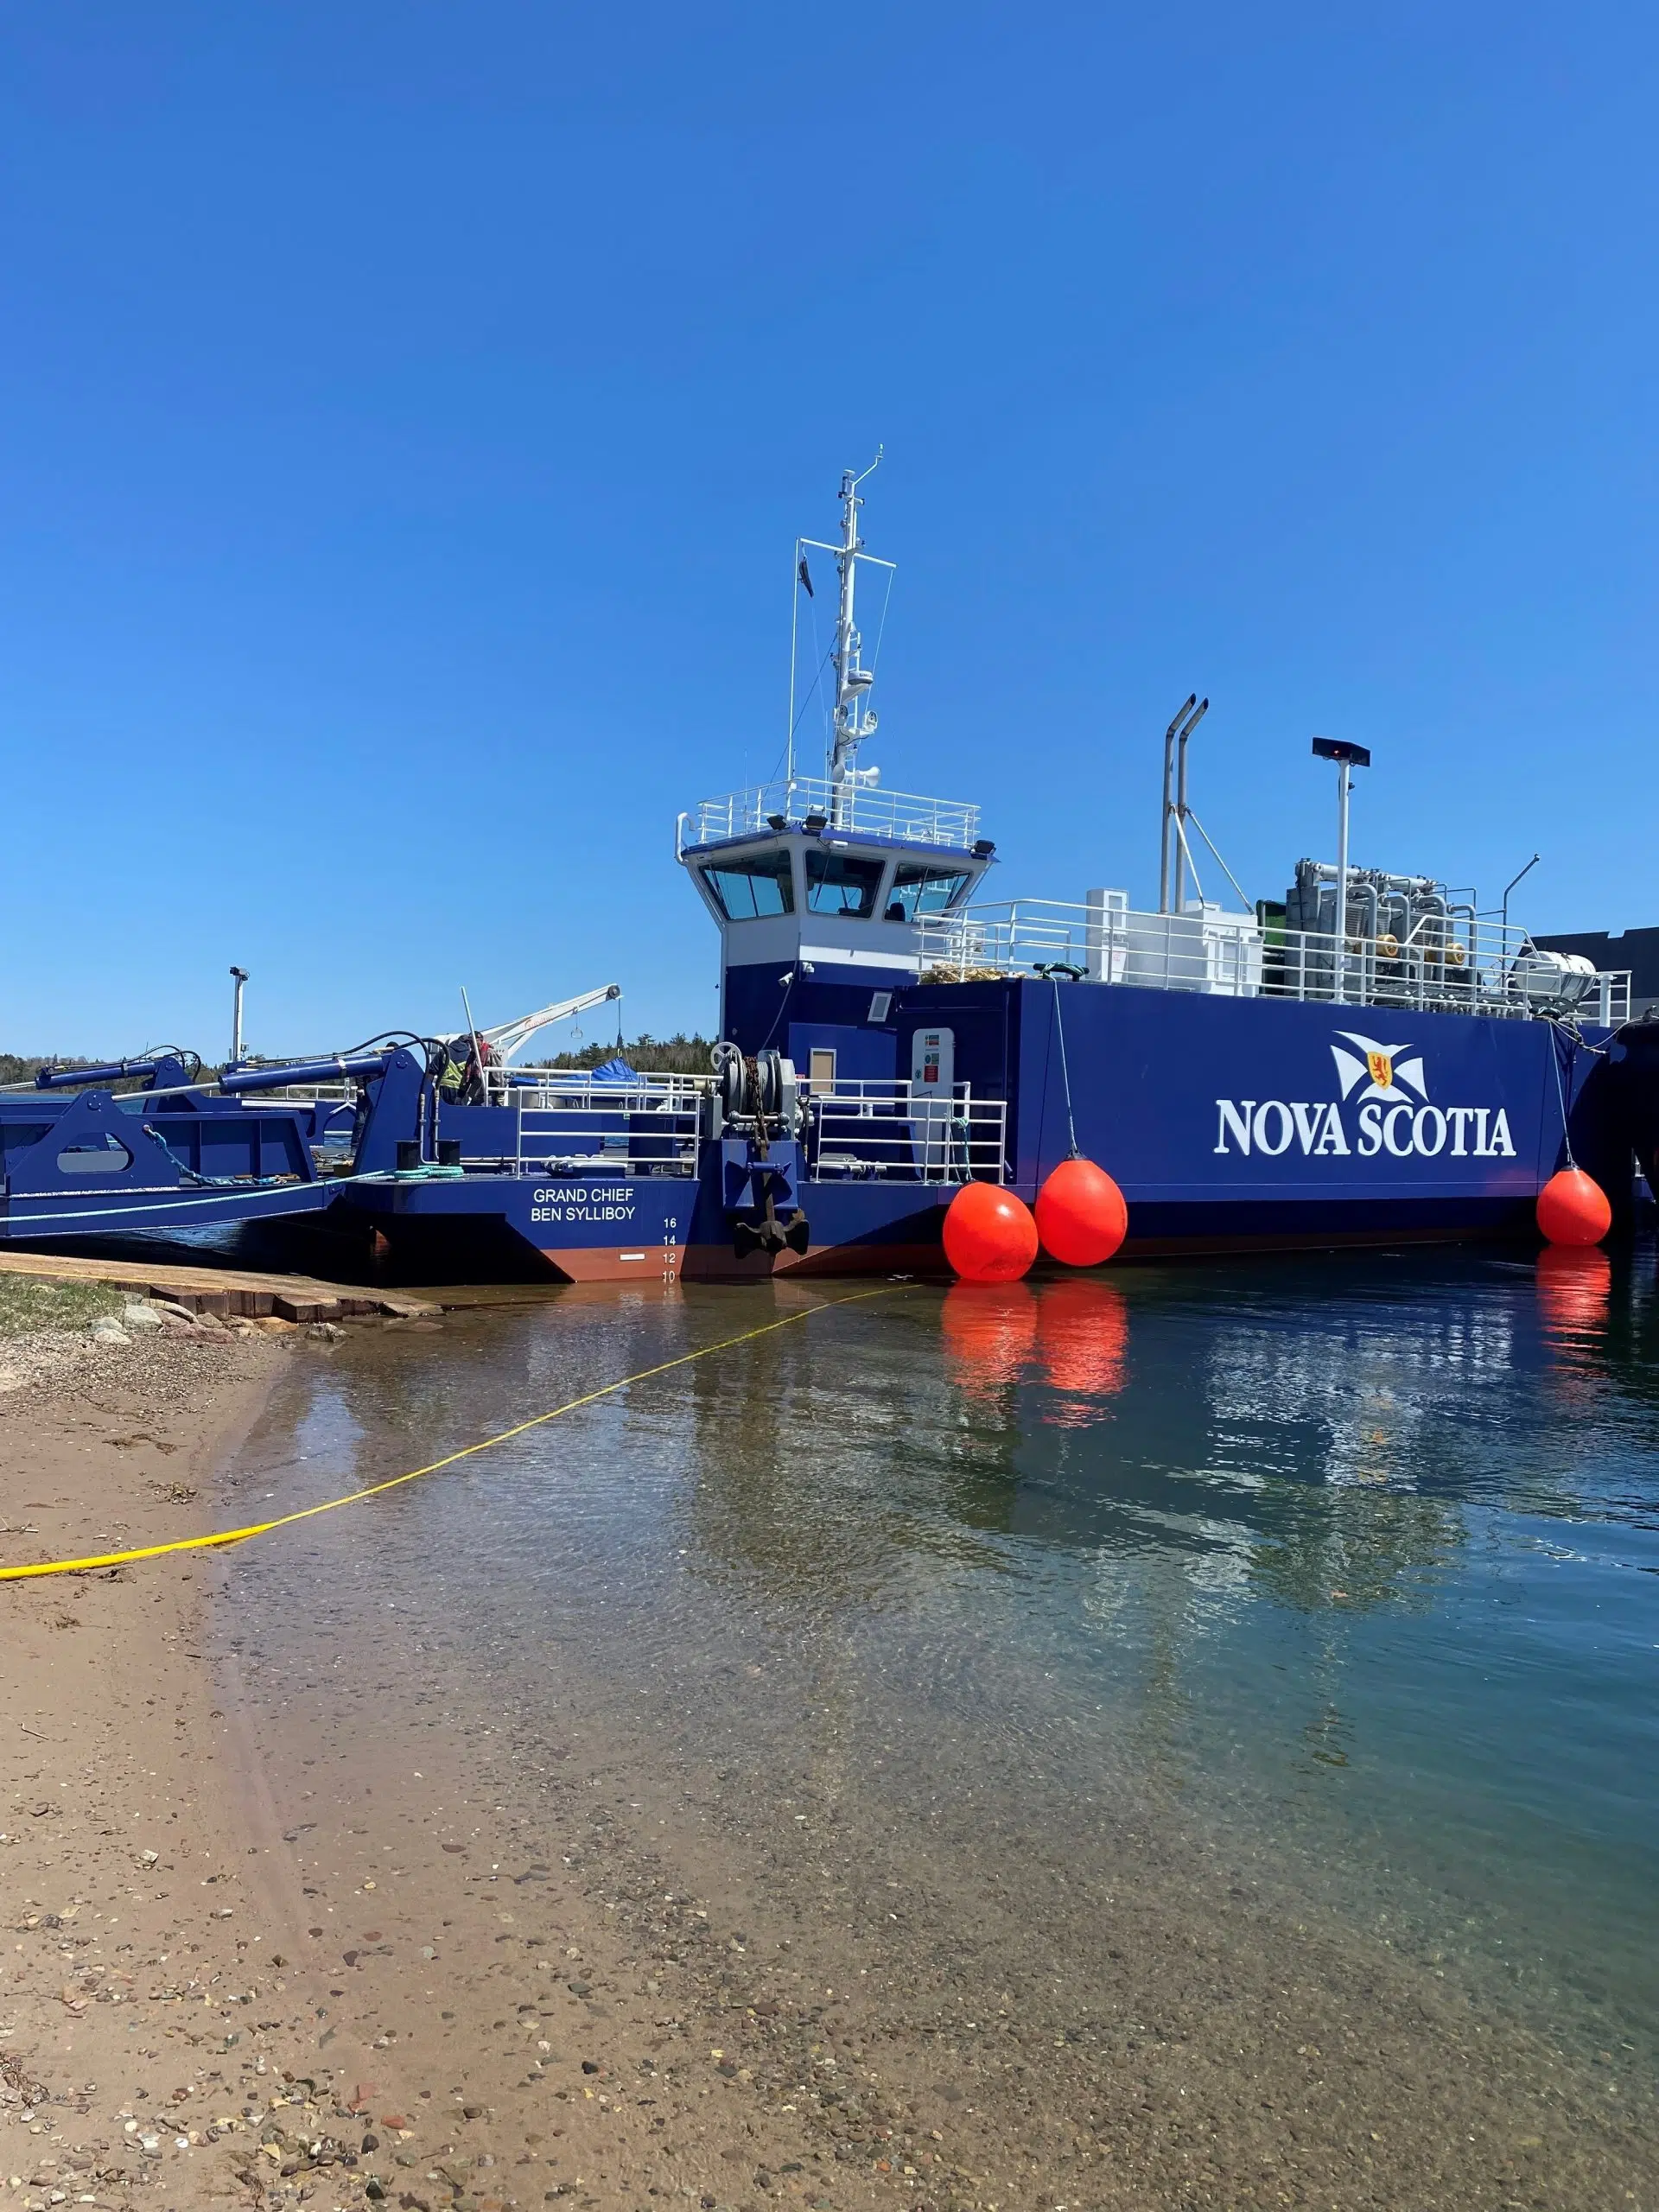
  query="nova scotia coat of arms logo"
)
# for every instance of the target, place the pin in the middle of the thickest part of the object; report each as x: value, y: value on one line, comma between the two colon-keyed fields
x: 1380, y: 1067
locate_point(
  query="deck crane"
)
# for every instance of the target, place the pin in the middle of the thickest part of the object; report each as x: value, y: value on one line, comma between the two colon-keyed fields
x: 509, y: 1038
x: 492, y: 1049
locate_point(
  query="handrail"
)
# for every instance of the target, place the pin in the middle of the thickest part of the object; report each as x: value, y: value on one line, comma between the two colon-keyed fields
x: 565, y: 1088
x: 897, y: 1131
x: 1449, y: 963
x: 605, y: 1130
x: 861, y: 809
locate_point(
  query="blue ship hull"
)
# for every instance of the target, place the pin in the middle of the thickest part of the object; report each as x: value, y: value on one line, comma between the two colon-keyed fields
x: 660, y: 1229
x: 1231, y: 1125
x: 1245, y: 1123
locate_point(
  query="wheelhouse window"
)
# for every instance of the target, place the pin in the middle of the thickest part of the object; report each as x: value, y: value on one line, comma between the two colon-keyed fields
x: 745, y: 890
x: 836, y: 883
x: 919, y: 892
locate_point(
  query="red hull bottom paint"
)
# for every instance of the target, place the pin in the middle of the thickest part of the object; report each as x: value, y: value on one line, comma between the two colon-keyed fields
x: 718, y: 1263
x: 653, y: 1263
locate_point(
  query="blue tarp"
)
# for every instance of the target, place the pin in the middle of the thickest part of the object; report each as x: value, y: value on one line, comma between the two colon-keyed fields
x: 617, y: 1070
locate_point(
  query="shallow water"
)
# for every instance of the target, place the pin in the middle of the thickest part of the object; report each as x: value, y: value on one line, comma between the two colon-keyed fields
x: 1339, y: 1568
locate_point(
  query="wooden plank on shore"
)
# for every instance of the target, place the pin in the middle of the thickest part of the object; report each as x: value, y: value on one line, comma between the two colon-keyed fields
x: 219, y: 1290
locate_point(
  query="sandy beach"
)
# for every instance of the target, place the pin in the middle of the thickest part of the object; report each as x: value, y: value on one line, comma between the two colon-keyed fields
x: 148, y: 2011
x: 338, y: 1965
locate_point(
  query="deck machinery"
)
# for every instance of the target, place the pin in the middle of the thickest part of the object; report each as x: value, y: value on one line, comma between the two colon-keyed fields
x: 146, y: 1144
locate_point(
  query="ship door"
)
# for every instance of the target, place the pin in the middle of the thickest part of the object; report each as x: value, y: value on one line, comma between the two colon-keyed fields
x: 933, y: 1093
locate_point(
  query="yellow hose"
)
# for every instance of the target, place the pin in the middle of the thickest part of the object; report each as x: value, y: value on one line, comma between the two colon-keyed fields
x: 222, y: 1536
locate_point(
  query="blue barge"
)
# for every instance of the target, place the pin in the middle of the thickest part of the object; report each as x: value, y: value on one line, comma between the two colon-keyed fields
x: 1372, y: 1060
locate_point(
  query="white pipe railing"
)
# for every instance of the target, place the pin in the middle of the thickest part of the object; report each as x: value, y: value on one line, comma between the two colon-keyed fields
x: 864, y: 809
x: 1450, y: 963
x: 574, y: 1090
x: 906, y: 1132
x: 568, y: 1124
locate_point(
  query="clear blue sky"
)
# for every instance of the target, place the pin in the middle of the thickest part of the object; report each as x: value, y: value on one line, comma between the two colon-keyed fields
x: 406, y: 411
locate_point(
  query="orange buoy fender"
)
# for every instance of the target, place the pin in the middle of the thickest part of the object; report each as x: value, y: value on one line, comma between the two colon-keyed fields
x: 1081, y: 1214
x: 989, y: 1235
x: 1573, y: 1209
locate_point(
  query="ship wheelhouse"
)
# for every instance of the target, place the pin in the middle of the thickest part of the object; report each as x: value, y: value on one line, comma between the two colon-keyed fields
x: 823, y: 899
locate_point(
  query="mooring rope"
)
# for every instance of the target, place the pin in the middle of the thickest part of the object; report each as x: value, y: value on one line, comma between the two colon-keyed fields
x: 1555, y: 1061
x: 1065, y: 1072
x: 219, y: 1538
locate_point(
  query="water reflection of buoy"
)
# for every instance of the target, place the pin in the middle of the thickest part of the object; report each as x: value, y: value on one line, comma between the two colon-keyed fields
x: 991, y: 1329
x: 1574, y: 1289
x: 1081, y: 1215
x: 1082, y: 1344
x: 989, y: 1235
x: 1573, y: 1209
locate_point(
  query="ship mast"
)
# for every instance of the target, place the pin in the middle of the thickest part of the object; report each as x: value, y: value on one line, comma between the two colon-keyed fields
x: 854, y: 720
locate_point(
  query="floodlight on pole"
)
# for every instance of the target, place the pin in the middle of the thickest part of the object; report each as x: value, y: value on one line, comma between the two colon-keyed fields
x: 239, y: 978
x: 1504, y: 910
x: 1348, y: 758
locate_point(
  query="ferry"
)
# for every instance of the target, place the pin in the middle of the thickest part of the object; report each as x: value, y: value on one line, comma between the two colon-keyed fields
x: 1266, y: 1076
x: 1373, y: 1058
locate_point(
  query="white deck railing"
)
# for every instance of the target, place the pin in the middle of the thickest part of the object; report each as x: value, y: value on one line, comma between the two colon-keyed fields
x: 574, y: 1091
x: 569, y: 1124
x: 1450, y: 964
x: 901, y: 816
x: 906, y: 1133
